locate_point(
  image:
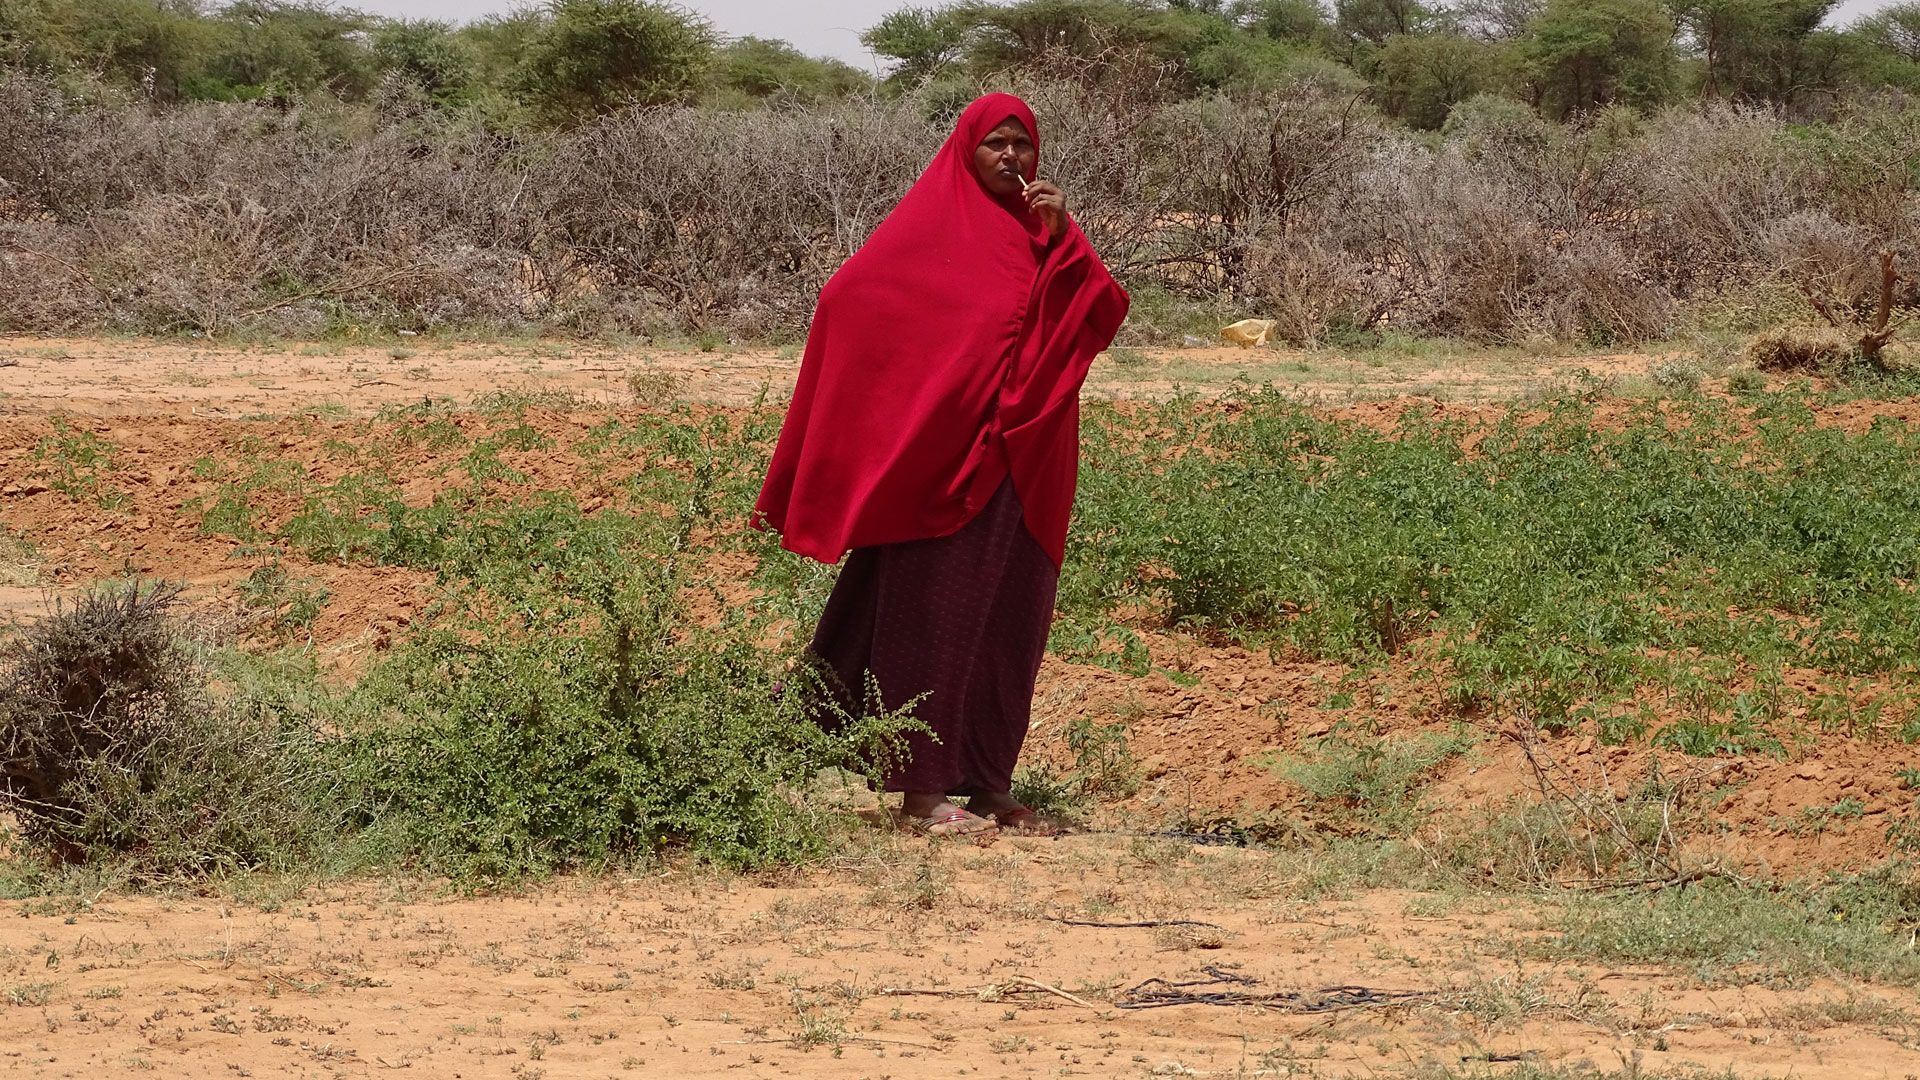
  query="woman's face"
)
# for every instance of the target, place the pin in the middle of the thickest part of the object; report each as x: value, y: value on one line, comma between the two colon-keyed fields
x: 1005, y: 158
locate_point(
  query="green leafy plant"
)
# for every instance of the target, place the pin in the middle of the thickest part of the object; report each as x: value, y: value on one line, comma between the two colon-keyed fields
x: 1567, y: 570
x: 287, y: 603
x: 76, y: 463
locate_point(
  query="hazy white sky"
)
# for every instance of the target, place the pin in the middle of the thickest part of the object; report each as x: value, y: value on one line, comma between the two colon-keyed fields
x: 818, y: 27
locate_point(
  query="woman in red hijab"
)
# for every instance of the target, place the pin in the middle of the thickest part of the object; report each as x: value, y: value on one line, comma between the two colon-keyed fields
x: 934, y: 431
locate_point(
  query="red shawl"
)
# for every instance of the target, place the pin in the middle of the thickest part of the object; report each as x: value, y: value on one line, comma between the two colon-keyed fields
x: 945, y: 355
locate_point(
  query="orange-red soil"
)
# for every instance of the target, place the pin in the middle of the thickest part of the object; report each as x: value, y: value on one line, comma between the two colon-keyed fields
x: 692, y: 973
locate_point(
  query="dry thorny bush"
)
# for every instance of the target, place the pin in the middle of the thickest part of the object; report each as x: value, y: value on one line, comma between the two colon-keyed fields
x: 114, y: 748
x: 1295, y: 202
x: 87, y: 689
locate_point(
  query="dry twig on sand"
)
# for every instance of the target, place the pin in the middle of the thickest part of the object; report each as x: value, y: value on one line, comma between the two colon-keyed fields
x: 1131, y: 925
x: 1018, y: 984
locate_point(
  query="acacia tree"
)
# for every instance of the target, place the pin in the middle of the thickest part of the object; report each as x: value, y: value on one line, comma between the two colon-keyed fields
x: 1760, y: 50
x: 1374, y: 21
x: 1894, y: 29
x: 921, y: 42
x: 1425, y: 75
x: 1585, y: 54
x: 1299, y: 21
x: 761, y: 68
x: 427, y: 53
x: 274, y: 46
x: 593, y: 56
x: 1498, y: 20
x: 1889, y: 47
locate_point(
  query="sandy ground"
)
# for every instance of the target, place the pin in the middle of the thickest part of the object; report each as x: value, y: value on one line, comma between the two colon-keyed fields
x: 140, y: 377
x: 913, y: 959
x: 916, y: 961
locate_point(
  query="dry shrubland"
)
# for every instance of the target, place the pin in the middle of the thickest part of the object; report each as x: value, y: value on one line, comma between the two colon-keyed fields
x: 1297, y: 203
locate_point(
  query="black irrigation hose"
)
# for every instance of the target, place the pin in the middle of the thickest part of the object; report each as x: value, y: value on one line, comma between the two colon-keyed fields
x: 1160, y: 994
x: 1126, y: 925
x: 1211, y: 838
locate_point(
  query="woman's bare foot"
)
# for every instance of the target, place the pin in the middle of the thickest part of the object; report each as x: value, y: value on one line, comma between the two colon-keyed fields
x: 1011, y: 817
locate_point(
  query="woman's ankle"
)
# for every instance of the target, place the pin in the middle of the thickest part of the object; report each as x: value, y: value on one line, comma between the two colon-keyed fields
x: 991, y: 802
x: 926, y: 804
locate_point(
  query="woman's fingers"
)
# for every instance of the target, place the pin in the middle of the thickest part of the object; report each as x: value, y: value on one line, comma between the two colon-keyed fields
x: 1049, y: 202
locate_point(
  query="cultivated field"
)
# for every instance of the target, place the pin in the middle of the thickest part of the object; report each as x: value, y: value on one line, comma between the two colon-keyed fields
x: 1430, y: 713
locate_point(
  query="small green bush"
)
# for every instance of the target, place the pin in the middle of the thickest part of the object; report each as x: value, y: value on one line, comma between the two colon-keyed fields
x: 76, y: 463
x: 581, y: 723
x: 1680, y: 375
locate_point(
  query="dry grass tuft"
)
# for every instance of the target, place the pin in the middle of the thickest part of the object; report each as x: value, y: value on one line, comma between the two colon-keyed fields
x: 1797, y: 348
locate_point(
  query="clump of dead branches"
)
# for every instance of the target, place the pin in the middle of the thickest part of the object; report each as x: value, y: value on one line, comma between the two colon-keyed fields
x: 1296, y: 202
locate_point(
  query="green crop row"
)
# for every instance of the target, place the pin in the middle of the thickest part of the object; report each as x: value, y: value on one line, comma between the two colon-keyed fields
x: 1573, y: 567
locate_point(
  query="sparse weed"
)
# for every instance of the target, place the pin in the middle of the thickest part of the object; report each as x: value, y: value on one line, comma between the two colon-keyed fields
x: 653, y: 387
x: 1102, y: 759
x: 76, y: 463
x: 1370, y: 783
x: 1103, y: 769
x: 286, y: 603
x: 1679, y: 375
x: 520, y: 399
x: 817, y: 1025
x: 19, y: 561
x: 1734, y: 933
x: 29, y: 994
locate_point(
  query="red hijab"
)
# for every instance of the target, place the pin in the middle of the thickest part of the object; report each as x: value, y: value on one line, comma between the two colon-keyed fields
x: 945, y: 355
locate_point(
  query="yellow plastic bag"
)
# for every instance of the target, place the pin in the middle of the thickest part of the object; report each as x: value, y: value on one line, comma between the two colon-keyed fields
x: 1248, y: 333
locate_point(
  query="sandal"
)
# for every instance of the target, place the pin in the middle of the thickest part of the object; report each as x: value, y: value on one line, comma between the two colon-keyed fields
x: 953, y: 825
x: 1025, y: 821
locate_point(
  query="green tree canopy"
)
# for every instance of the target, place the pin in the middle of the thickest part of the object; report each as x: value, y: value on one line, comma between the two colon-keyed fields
x: 1887, y: 48
x: 921, y: 42
x: 1297, y: 21
x: 1374, y: 21
x: 1895, y: 30
x: 1761, y: 50
x: 1202, y: 40
x: 1584, y: 54
x: 1498, y: 20
x: 1422, y: 76
x: 160, y: 47
x: 282, y: 46
x: 761, y: 68
x: 597, y: 55
x: 429, y: 54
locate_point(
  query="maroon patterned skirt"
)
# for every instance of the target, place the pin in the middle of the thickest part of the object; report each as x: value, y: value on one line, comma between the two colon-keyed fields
x: 962, y: 619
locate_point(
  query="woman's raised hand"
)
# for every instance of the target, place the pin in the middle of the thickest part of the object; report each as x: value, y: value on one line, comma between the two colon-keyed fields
x: 1049, y: 203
